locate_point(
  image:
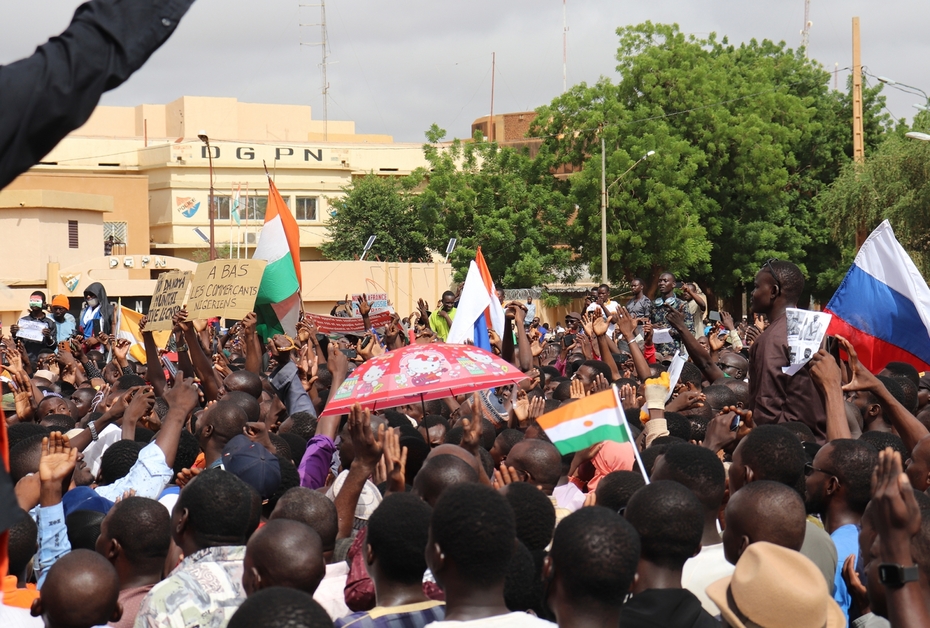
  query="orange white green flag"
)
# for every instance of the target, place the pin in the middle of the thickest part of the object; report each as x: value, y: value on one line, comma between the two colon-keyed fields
x: 278, y: 302
x: 588, y: 421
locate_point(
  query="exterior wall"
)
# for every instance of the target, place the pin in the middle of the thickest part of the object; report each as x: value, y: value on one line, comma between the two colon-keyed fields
x: 36, y: 224
x: 129, y: 201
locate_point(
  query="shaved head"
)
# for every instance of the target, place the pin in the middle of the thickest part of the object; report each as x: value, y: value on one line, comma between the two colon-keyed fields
x: 245, y: 381
x: 538, y: 460
x: 458, y: 452
x: 439, y: 473
x: 81, y: 590
x: 764, y: 511
x: 311, y: 508
x: 283, y: 553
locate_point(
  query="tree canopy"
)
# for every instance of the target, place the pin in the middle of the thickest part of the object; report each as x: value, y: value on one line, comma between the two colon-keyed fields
x: 380, y: 206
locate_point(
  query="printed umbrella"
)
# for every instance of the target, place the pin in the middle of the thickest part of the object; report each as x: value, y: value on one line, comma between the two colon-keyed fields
x: 419, y: 373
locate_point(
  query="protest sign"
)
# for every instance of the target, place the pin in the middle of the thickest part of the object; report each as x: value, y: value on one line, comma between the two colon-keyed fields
x: 805, y: 334
x: 347, y: 325
x: 30, y: 329
x: 225, y: 288
x: 167, y: 300
x: 377, y: 300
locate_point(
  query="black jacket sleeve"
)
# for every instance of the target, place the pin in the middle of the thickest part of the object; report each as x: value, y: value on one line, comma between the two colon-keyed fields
x: 46, y: 96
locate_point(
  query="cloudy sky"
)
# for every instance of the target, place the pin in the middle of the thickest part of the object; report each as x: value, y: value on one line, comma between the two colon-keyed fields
x: 398, y: 66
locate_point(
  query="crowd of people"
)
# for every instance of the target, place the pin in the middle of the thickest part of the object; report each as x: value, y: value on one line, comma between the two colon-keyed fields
x: 208, y: 486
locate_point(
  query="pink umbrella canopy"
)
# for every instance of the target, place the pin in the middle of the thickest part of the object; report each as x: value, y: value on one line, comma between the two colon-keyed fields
x: 419, y: 373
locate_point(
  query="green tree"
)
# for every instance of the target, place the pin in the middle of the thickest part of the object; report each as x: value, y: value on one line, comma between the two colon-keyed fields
x: 499, y: 199
x: 893, y: 183
x: 379, y: 206
x: 745, y: 138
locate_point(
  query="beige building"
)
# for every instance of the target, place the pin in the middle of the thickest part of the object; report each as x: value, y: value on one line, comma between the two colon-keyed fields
x: 126, y: 196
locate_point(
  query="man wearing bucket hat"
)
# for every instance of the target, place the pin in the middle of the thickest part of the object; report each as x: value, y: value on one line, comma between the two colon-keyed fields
x: 775, y: 586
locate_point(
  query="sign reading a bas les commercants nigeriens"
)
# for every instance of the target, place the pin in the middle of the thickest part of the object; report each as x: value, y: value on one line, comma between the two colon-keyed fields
x: 167, y: 300
x: 225, y: 288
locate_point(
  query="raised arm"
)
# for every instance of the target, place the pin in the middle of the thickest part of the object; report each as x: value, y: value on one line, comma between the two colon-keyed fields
x: 826, y: 375
x: 696, y: 352
x: 908, y: 427
x: 49, y: 94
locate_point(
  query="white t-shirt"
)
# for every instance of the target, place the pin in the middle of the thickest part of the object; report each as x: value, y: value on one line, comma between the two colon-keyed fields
x: 704, y: 569
x: 612, y: 307
x: 707, y: 567
x: 510, y: 620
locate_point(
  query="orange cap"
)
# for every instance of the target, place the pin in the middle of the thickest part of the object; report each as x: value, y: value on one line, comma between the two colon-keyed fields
x: 61, y: 301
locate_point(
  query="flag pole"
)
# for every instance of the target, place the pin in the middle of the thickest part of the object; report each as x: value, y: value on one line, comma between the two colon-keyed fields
x: 232, y: 193
x: 629, y: 432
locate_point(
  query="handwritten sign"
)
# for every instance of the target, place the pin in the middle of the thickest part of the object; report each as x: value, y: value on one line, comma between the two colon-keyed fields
x: 32, y: 330
x: 225, y: 288
x: 347, y: 325
x: 167, y: 300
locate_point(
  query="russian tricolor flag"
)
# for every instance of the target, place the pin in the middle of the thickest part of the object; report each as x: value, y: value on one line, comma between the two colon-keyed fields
x: 883, y: 305
x: 479, y: 309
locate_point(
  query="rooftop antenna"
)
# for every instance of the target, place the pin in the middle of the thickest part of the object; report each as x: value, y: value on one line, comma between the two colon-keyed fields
x: 806, y: 31
x: 324, y: 46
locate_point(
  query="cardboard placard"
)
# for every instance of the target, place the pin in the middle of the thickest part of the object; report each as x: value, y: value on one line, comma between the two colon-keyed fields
x: 347, y: 325
x: 225, y: 288
x: 167, y: 300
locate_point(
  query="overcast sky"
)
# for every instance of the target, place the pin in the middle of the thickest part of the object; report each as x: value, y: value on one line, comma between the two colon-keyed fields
x: 398, y: 66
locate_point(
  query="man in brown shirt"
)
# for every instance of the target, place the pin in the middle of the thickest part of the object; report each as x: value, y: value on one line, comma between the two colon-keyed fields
x: 775, y: 397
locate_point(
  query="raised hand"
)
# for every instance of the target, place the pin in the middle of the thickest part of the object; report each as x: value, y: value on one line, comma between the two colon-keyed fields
x: 395, y: 461
x: 141, y: 403
x: 600, y: 384
x: 368, y: 447
x: 752, y: 334
x: 142, y: 323
x: 423, y: 308
x: 862, y: 379
x: 121, y: 349
x: 727, y: 320
x: 364, y: 307
x: 825, y: 371
x: 577, y: 389
x: 676, y: 319
x: 116, y: 406
x: 179, y: 320
x: 626, y: 323
x: 628, y: 397
x: 685, y: 400
x: 183, y: 395
x: 854, y: 585
x: 537, y: 407
x: 57, y: 458
x: 758, y: 322
x: 587, y: 323
x: 504, y: 476
x: 471, y: 440
x: 647, y: 333
x: 897, y: 513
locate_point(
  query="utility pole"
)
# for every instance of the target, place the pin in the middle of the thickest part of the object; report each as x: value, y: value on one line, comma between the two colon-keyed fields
x: 806, y: 31
x: 858, y: 145
x: 603, y: 210
x: 564, y: 47
x: 491, y: 117
x: 858, y: 139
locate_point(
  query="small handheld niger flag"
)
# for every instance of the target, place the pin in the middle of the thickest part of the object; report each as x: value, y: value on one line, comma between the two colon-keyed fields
x: 586, y: 422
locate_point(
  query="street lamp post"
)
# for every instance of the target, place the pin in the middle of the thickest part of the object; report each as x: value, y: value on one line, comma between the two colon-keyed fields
x: 888, y: 81
x: 917, y: 135
x: 206, y: 140
x: 604, y: 200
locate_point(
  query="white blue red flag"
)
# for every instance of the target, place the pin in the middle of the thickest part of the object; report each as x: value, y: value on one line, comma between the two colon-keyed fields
x: 479, y: 309
x: 883, y: 305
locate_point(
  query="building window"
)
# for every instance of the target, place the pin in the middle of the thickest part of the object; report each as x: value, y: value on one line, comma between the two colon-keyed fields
x: 306, y: 208
x: 114, y: 238
x: 220, y: 207
x: 72, y: 234
x: 257, y: 207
